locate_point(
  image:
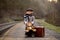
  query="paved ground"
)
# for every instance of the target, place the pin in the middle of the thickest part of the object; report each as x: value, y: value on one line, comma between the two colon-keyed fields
x: 17, y: 33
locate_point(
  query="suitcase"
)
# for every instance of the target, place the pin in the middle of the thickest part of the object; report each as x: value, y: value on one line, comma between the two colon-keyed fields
x: 40, y: 31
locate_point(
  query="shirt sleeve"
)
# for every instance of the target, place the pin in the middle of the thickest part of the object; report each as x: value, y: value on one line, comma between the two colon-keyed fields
x: 33, y: 19
x: 25, y: 19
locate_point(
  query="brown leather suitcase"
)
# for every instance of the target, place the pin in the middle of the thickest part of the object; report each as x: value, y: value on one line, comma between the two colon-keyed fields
x: 40, y: 31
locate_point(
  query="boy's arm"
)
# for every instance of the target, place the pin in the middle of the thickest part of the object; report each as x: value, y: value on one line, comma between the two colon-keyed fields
x: 33, y: 19
x: 25, y: 19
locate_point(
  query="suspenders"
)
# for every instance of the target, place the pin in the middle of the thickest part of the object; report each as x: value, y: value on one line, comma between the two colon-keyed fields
x: 28, y: 19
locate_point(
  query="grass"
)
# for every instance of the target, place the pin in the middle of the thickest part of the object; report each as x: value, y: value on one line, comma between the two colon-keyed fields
x: 49, y: 26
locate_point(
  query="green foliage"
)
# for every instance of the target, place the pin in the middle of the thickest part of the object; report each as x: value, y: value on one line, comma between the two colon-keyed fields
x: 12, y: 4
x: 49, y: 26
x: 18, y: 19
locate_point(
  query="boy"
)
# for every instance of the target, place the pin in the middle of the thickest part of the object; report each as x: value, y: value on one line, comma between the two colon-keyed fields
x: 28, y: 17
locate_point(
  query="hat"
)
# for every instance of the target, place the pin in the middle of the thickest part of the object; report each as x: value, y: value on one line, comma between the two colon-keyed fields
x: 29, y: 9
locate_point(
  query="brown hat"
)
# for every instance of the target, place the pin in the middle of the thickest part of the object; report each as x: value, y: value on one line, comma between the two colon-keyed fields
x: 29, y: 9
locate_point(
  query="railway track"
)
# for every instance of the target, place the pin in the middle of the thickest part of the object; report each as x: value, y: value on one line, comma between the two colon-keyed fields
x: 5, y: 26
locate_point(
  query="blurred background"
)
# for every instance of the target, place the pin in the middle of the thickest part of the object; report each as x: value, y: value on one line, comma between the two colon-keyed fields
x: 13, y: 10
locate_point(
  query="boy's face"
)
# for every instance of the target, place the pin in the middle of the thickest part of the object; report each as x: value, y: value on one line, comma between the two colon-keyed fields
x: 29, y: 12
